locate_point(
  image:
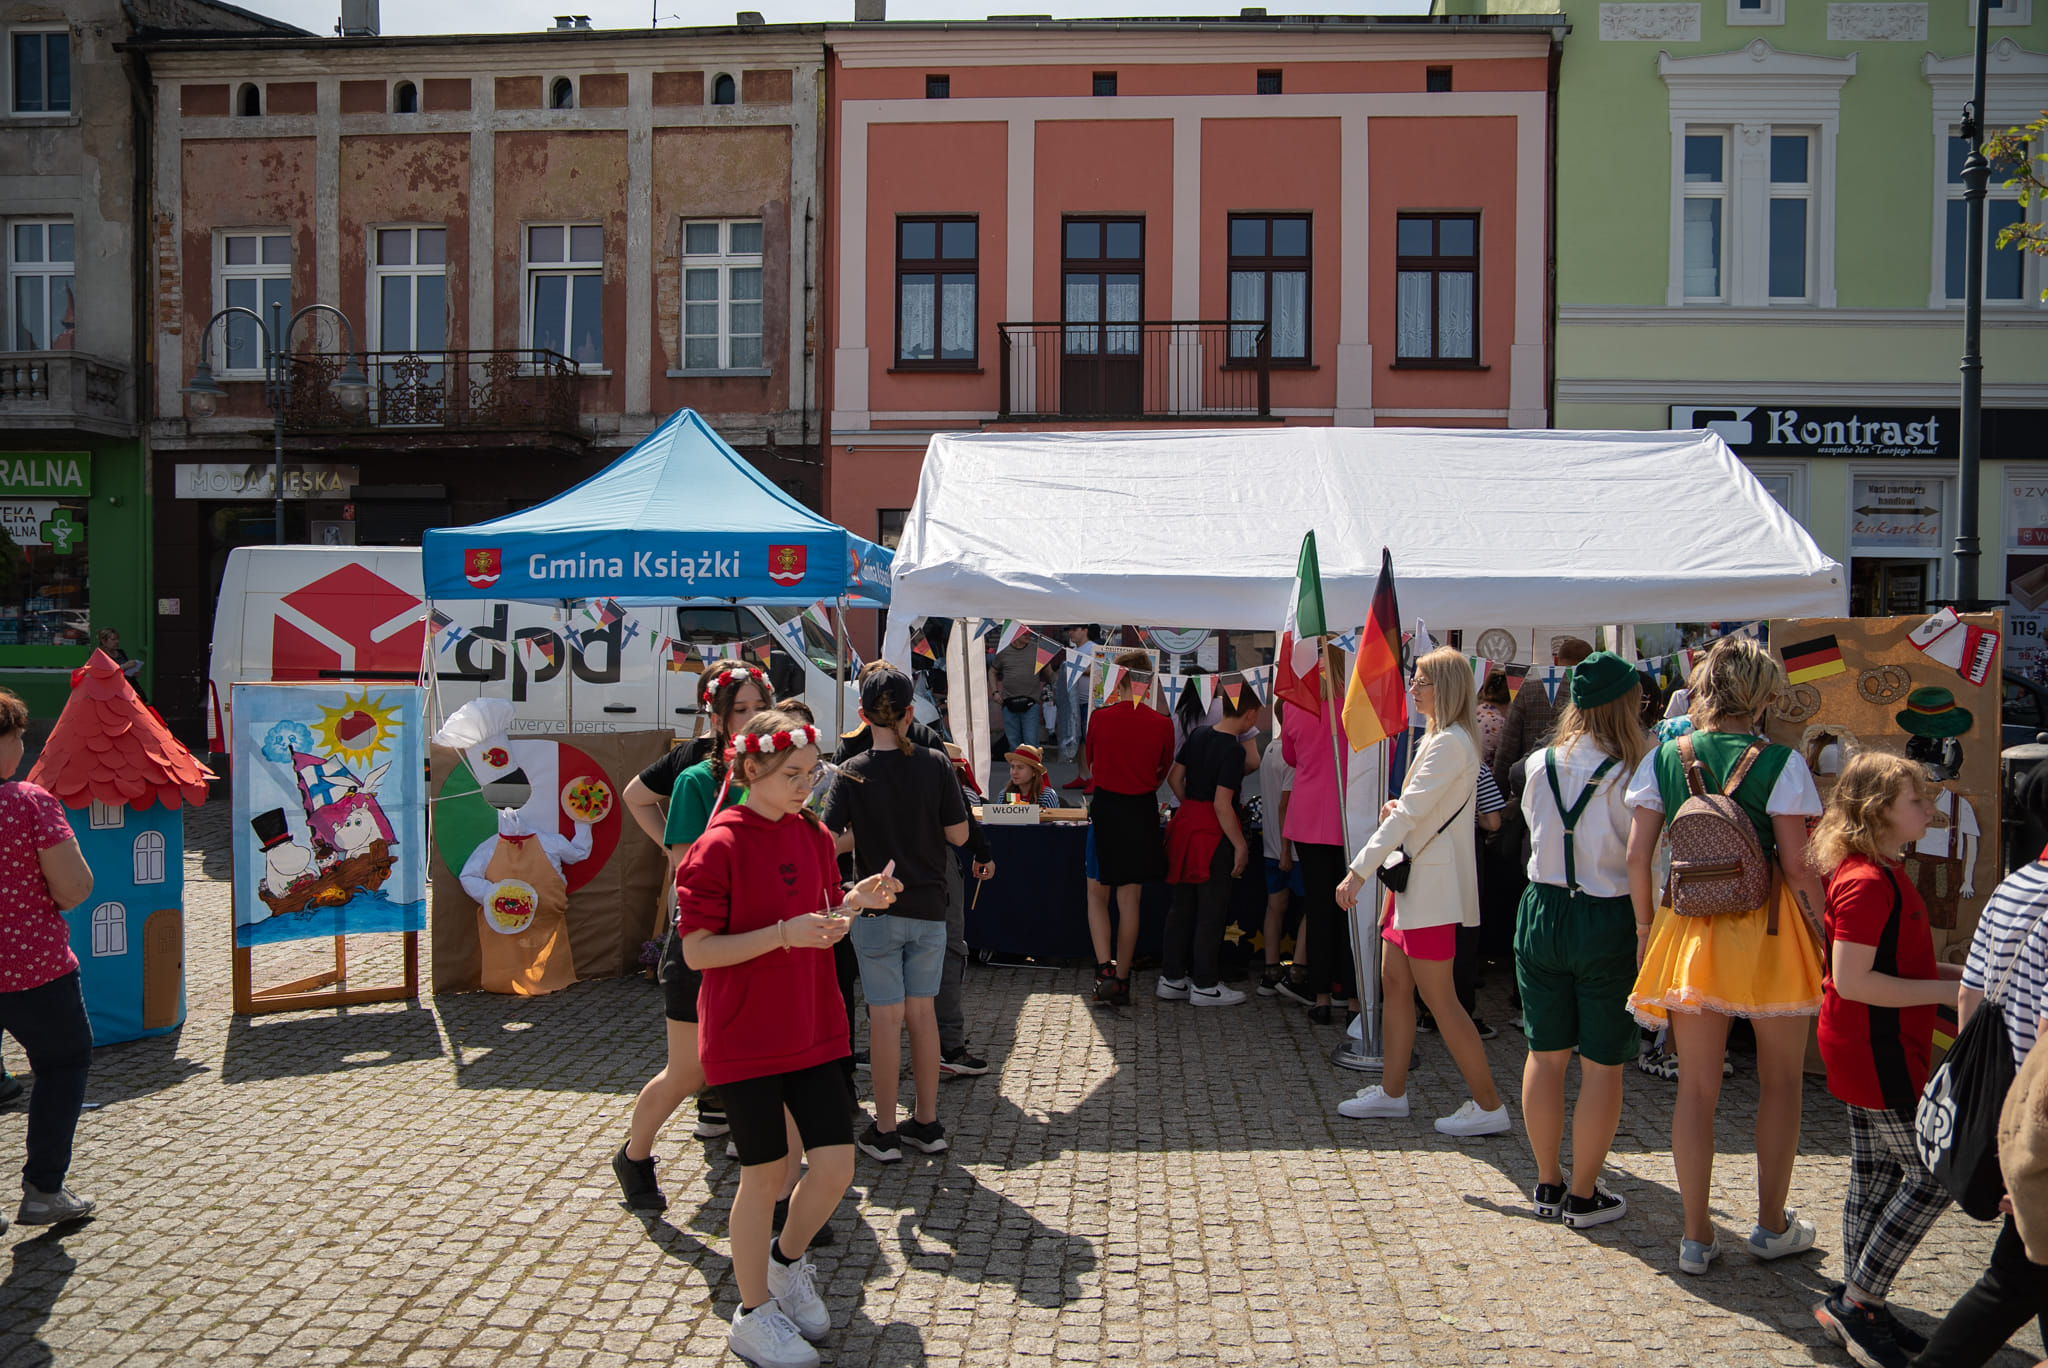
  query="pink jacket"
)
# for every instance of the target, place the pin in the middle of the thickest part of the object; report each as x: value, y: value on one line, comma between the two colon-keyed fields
x: 1313, y: 813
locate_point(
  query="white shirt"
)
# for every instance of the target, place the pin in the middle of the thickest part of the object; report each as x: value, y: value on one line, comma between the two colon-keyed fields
x: 1599, y: 842
x: 1793, y: 794
x: 558, y: 848
x: 1276, y: 777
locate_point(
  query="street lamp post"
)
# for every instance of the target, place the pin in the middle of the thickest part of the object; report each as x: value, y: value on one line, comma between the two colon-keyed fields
x: 1976, y: 182
x: 351, y: 389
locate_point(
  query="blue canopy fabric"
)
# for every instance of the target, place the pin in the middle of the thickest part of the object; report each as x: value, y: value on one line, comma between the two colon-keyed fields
x: 681, y: 518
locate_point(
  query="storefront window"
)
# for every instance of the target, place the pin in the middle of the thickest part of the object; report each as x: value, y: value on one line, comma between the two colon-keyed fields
x: 2026, y: 571
x: 1896, y: 541
x: 43, y: 573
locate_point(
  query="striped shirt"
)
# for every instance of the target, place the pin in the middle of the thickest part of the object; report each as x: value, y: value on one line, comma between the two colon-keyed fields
x: 1489, y: 794
x: 2013, y: 931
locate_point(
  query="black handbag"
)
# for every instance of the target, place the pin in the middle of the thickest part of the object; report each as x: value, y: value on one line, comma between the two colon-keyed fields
x: 1395, y: 875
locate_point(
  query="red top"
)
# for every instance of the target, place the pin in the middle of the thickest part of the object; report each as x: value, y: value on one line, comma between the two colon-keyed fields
x: 1877, y: 1057
x: 111, y: 746
x: 1130, y: 747
x: 35, y: 941
x: 778, y: 1012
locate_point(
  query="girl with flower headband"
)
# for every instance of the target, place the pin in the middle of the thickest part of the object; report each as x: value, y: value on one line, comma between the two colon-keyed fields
x: 690, y: 776
x: 758, y: 909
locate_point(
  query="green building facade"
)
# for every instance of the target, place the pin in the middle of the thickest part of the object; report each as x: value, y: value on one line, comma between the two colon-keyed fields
x: 1759, y: 230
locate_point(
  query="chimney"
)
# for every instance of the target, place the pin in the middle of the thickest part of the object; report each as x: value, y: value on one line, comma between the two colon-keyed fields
x: 358, y: 19
x: 564, y: 22
x: 870, y: 11
x: 583, y: 21
x: 751, y: 19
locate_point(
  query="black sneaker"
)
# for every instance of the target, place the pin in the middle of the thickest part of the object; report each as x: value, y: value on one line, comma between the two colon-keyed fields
x: 963, y: 1061
x: 1120, y: 995
x: 1862, y: 1332
x: 1105, y: 985
x: 928, y: 1136
x: 1486, y: 1032
x: 1271, y: 979
x: 1321, y: 1014
x: 1903, y: 1335
x: 878, y: 1146
x: 1548, y: 1199
x: 1425, y: 1020
x: 636, y: 1182
x: 1294, y: 987
x: 860, y: 1061
x: 1603, y: 1206
x: 823, y: 1238
x: 711, y: 1123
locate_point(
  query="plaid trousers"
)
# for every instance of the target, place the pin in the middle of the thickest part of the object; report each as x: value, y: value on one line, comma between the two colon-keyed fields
x: 1893, y: 1201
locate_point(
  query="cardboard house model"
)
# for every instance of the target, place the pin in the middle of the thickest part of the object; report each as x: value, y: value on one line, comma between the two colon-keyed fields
x: 124, y: 781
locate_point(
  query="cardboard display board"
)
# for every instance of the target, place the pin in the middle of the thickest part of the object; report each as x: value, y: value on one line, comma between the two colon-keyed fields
x: 614, y: 896
x: 1861, y: 684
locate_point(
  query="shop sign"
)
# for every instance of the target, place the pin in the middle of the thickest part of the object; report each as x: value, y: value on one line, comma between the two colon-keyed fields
x: 1894, y: 514
x: 59, y: 473
x: 1796, y: 429
x: 302, y: 480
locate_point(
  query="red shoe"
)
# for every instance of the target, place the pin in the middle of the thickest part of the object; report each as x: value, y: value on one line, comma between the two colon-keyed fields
x: 1075, y: 783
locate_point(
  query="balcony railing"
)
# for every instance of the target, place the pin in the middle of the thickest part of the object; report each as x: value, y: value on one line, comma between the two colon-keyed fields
x: 523, y: 389
x: 1155, y: 370
x: 65, y: 389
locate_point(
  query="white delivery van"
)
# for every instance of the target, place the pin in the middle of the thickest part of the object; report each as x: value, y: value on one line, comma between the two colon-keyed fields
x: 358, y: 613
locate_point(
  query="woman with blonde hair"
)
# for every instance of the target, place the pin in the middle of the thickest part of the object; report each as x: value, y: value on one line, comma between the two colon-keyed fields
x: 1575, y: 953
x: 1763, y: 964
x: 1428, y: 830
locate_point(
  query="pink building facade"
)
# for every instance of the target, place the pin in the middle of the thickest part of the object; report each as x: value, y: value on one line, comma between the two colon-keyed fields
x: 1198, y: 224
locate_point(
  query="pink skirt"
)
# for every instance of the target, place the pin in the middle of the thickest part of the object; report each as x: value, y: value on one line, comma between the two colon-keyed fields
x: 1424, y: 942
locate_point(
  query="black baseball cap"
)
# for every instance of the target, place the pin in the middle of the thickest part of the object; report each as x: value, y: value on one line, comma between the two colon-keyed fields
x: 887, y: 692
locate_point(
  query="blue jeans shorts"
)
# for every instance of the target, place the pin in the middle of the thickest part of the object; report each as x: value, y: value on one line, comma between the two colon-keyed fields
x: 899, y: 957
x: 1291, y: 880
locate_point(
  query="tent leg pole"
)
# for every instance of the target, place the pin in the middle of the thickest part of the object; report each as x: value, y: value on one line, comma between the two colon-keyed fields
x: 839, y: 669
x: 1368, y: 1053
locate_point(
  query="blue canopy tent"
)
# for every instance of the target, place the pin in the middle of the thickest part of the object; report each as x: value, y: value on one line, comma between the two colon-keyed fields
x: 680, y: 520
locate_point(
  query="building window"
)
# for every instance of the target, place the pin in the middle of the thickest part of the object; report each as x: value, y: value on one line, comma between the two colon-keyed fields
x: 2012, y: 13
x: 562, y: 93
x: 1436, y: 288
x: 889, y: 526
x: 936, y: 267
x: 722, y: 294
x: 938, y: 87
x: 1105, y: 83
x: 41, y: 64
x: 411, y: 284
x: 724, y: 90
x: 1791, y: 216
x: 565, y: 290
x: 107, y: 817
x: 405, y: 98
x: 109, y: 929
x: 249, y: 100
x: 1269, y: 83
x: 1436, y: 80
x: 253, y: 271
x: 149, y: 857
x: 43, y: 310
x: 1706, y: 210
x: 2004, y: 273
x: 1753, y: 12
x: 1269, y: 270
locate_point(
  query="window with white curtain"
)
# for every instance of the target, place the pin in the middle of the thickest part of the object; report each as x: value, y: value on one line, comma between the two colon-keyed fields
x: 937, y: 265
x: 565, y: 290
x: 1706, y: 214
x: 1269, y: 274
x: 722, y: 294
x: 40, y: 291
x: 1436, y: 289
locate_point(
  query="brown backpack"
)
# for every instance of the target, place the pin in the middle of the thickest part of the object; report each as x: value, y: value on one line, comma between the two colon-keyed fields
x: 1717, y: 863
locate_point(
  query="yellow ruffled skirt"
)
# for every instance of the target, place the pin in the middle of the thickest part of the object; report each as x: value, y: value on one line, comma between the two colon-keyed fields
x: 1729, y: 964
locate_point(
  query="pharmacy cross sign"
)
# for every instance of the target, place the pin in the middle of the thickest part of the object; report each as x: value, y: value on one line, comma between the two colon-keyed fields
x: 59, y: 531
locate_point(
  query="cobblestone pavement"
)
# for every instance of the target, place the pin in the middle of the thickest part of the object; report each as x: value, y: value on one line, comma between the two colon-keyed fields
x: 428, y: 1184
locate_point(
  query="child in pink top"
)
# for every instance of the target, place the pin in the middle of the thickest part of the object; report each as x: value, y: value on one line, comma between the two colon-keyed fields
x: 1315, y: 824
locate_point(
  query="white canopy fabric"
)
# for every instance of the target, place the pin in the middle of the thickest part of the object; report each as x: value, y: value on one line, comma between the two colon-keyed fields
x: 1179, y: 528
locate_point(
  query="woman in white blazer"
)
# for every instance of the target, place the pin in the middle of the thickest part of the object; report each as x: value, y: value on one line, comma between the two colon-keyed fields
x: 1429, y: 827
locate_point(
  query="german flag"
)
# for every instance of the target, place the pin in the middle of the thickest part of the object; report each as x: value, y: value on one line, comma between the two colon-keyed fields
x: 1814, y: 659
x: 1515, y: 675
x: 1376, y: 704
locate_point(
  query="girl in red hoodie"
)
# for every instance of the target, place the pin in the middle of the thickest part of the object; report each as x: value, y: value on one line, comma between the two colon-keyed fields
x: 758, y: 907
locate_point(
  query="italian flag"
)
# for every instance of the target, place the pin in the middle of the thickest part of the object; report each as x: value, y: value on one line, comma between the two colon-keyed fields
x: 1376, y: 704
x: 1296, y: 664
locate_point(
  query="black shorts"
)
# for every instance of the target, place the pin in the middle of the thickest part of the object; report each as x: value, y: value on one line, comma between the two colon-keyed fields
x: 679, y: 982
x: 817, y: 1098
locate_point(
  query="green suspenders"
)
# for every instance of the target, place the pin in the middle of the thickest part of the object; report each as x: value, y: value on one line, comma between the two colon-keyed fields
x: 1572, y: 814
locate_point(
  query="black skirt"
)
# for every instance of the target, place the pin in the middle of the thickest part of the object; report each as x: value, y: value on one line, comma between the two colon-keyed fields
x: 1128, y: 846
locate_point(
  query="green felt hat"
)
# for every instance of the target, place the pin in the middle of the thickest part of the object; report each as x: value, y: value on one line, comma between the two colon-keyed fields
x: 1600, y: 678
x: 1932, y: 711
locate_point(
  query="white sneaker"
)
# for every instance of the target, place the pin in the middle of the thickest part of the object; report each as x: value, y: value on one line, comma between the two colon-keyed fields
x: 769, y: 1339
x: 1173, y: 990
x: 1473, y: 1119
x: 1372, y: 1102
x: 1796, y: 1238
x: 1221, y: 995
x: 795, y: 1289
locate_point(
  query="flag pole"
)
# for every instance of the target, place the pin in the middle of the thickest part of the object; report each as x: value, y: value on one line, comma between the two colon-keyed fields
x: 1366, y: 1054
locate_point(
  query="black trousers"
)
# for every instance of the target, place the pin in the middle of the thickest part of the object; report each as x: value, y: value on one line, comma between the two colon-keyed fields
x: 2012, y: 1291
x: 1194, y: 925
x: 49, y: 1023
x: 1330, y: 966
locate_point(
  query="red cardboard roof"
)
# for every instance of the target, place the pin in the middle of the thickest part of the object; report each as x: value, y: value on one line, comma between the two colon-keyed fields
x: 111, y: 746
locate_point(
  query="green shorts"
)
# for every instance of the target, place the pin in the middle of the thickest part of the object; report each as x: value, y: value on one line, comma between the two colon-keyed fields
x: 1575, y: 961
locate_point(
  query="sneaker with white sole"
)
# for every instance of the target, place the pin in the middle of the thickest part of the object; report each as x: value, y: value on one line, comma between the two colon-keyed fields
x: 1172, y: 989
x: 711, y: 1124
x: 1548, y: 1199
x: 1603, y: 1206
x: 1796, y: 1238
x: 879, y: 1145
x: 1695, y: 1255
x: 795, y: 1289
x: 1865, y: 1333
x: 767, y: 1338
x: 929, y: 1136
x: 1473, y: 1119
x: 1220, y: 996
x: 1295, y: 990
x: 1373, y: 1102
x: 51, y: 1208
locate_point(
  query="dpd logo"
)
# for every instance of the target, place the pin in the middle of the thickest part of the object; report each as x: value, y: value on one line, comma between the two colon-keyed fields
x: 348, y: 623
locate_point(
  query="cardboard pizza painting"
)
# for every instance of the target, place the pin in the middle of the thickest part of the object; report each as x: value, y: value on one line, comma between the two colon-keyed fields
x: 1925, y: 687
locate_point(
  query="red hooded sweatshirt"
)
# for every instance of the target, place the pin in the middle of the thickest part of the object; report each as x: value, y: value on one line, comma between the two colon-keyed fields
x: 778, y: 1012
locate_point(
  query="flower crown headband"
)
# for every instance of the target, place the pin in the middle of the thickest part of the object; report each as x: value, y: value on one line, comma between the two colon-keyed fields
x: 716, y: 677
x: 770, y: 743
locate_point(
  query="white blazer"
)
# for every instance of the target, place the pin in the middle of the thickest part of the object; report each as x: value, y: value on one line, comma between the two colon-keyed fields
x: 1443, y: 886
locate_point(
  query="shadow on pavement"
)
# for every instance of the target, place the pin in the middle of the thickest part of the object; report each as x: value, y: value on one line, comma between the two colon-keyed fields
x: 28, y: 1295
x: 595, y: 1036
x: 137, y: 1068
x: 332, y: 1041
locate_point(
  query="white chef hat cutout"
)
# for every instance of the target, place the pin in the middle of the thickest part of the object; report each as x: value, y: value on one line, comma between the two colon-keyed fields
x: 511, y: 823
x: 478, y: 729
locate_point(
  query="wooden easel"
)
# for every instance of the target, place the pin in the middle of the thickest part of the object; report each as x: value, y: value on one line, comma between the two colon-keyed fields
x: 304, y: 994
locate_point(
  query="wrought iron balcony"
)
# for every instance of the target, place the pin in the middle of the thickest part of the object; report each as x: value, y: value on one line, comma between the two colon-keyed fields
x: 52, y: 390
x: 1136, y: 370
x: 527, y: 389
